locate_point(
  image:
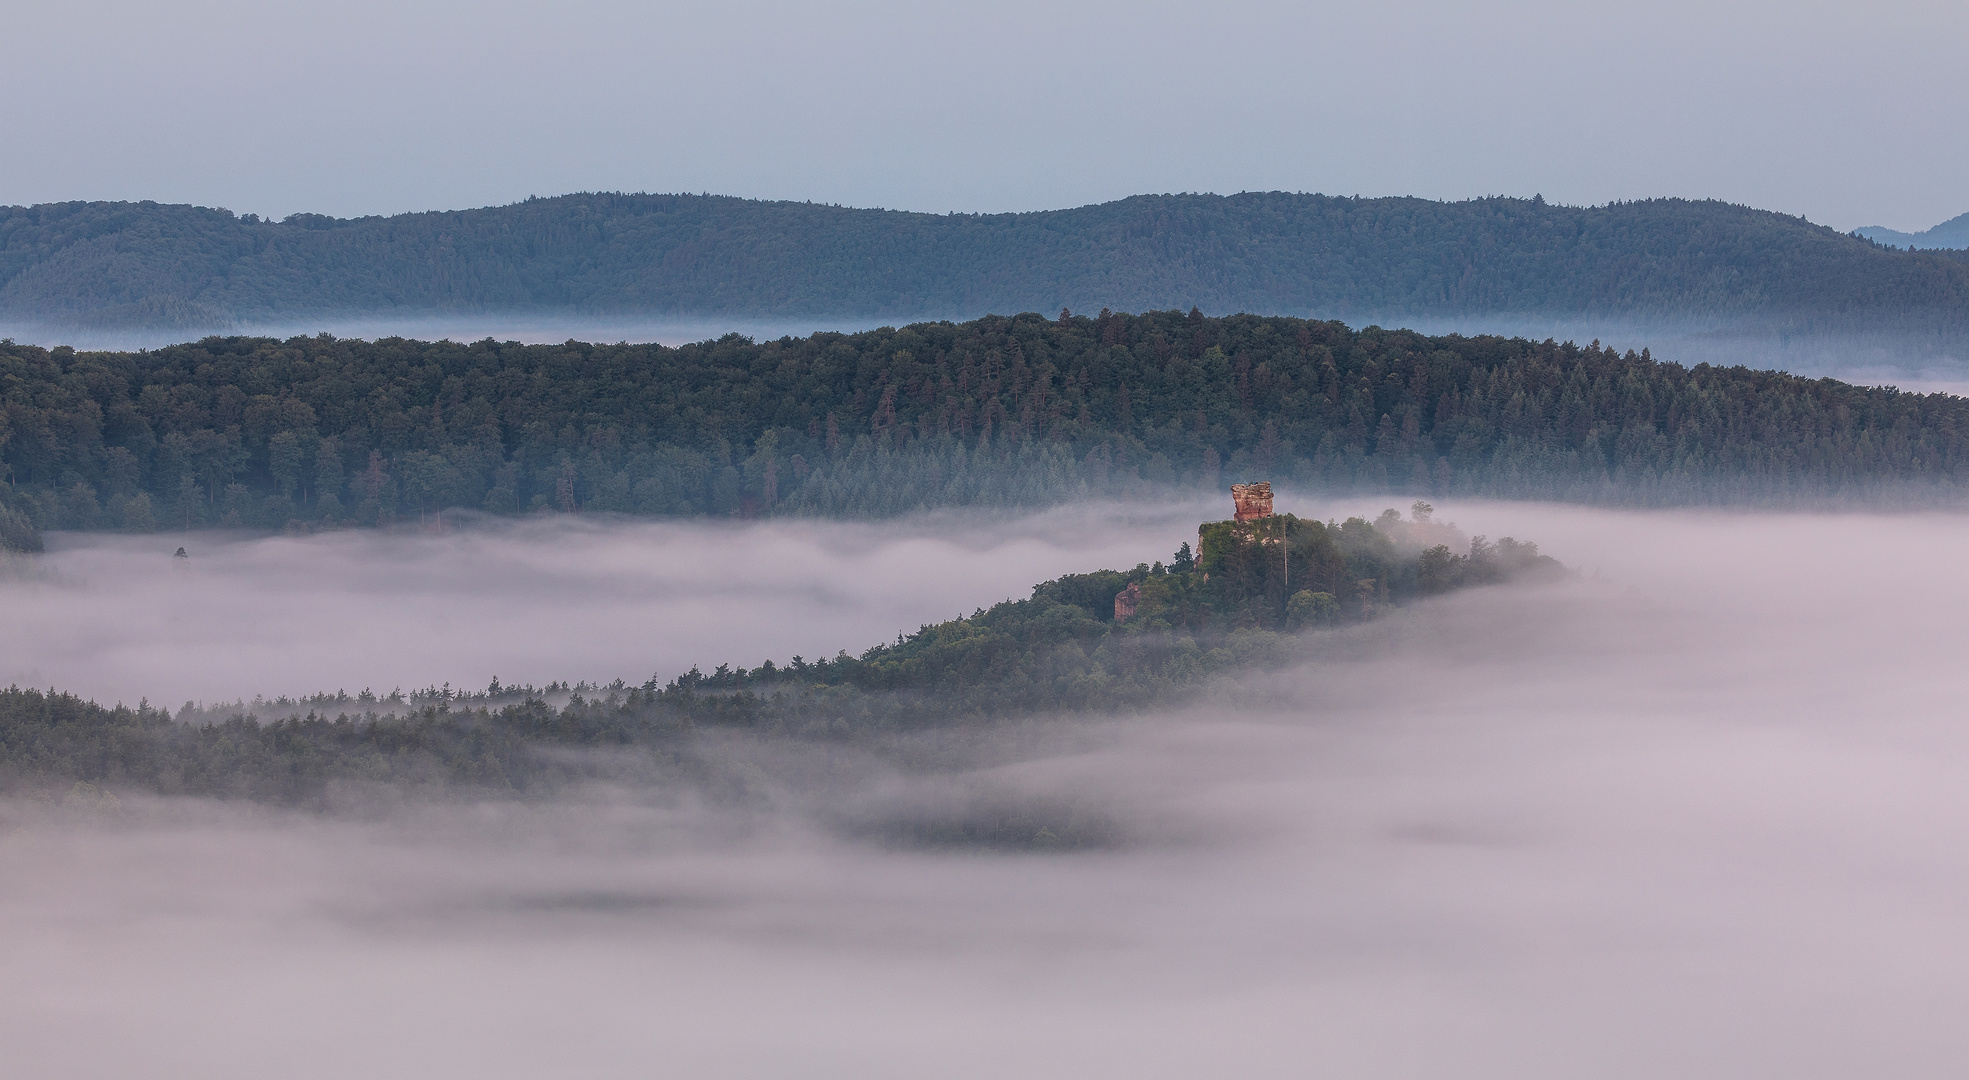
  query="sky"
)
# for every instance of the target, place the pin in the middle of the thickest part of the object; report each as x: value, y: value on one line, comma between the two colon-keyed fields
x: 1846, y: 113
x: 1696, y: 811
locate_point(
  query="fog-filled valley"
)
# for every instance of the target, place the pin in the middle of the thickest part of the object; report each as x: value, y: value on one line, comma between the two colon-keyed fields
x: 892, y: 702
x: 1695, y: 809
x: 561, y: 598
x: 622, y: 541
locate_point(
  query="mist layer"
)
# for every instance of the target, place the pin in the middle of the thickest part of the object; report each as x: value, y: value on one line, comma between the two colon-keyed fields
x: 1697, y: 812
x: 533, y: 601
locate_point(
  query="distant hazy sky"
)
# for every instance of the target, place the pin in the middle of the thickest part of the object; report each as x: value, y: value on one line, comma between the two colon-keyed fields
x: 1848, y: 113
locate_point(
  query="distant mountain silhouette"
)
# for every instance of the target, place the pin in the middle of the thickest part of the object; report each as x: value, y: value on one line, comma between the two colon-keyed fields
x: 1953, y: 233
x: 146, y: 264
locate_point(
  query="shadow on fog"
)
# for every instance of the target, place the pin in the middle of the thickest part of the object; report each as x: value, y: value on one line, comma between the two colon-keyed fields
x: 1700, y: 814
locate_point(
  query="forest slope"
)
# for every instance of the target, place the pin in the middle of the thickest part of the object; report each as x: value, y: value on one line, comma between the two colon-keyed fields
x: 172, y: 266
x: 1021, y: 411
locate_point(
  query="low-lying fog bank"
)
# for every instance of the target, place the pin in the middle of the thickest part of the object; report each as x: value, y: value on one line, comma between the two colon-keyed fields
x: 1701, y: 814
x: 1915, y: 360
x: 523, y: 327
x: 527, y: 601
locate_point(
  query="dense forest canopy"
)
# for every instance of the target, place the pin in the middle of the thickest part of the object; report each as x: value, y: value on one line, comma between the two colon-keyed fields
x: 184, y: 267
x: 1246, y: 599
x: 1018, y: 411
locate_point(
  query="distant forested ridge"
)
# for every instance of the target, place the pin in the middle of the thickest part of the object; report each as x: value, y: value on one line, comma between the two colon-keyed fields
x: 104, y: 265
x: 1247, y: 600
x: 1952, y: 234
x: 1021, y: 411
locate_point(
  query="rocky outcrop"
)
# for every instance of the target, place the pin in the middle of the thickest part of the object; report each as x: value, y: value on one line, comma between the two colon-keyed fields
x: 1253, y: 501
x: 1126, y: 601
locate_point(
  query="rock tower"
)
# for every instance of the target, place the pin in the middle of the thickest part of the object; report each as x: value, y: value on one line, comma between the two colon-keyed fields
x: 1126, y: 601
x: 1253, y: 501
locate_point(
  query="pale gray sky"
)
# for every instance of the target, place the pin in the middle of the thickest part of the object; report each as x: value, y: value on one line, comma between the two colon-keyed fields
x: 1850, y: 114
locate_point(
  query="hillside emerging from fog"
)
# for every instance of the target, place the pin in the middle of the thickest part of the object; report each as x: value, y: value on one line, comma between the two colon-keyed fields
x: 1088, y: 643
x: 148, y: 265
x: 1025, y: 411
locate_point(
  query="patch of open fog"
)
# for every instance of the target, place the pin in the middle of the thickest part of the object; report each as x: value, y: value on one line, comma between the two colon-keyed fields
x: 525, y: 328
x: 1702, y: 816
x: 538, y: 600
x: 1947, y: 376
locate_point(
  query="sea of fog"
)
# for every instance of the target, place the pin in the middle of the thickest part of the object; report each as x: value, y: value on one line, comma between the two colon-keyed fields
x: 1700, y: 811
x: 526, y: 601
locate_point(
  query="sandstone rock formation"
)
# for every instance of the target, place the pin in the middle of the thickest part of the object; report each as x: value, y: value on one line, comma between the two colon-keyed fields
x: 1126, y: 601
x: 1253, y: 501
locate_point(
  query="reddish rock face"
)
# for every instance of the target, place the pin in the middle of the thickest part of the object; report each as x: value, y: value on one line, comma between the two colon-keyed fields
x: 1126, y: 601
x: 1253, y: 501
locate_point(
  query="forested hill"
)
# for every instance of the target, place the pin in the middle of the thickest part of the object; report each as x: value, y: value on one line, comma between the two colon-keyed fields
x: 996, y: 412
x: 130, y: 265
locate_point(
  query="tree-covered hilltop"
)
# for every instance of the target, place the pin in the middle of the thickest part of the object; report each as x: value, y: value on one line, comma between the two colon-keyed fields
x: 1245, y: 600
x: 1113, y: 639
x: 1015, y: 411
x: 191, y: 268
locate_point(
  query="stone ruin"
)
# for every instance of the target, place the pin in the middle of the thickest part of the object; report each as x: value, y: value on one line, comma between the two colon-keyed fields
x: 1253, y: 501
